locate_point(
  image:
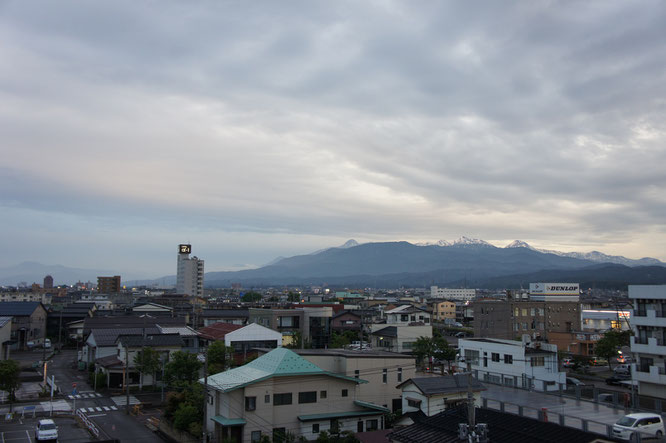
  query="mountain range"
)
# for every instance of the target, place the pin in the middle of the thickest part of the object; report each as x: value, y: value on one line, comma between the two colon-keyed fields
x: 463, y: 262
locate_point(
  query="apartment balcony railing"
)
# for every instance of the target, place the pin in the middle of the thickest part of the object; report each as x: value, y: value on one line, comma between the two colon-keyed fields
x: 661, y: 314
x: 640, y: 341
x: 640, y: 313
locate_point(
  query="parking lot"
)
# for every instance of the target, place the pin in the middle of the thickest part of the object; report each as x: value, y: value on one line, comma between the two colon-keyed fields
x: 23, y: 431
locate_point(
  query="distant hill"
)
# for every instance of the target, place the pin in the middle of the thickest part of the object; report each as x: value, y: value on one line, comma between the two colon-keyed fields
x: 33, y: 272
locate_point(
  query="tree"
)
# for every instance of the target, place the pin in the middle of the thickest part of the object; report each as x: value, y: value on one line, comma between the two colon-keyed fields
x: 9, y: 379
x: 423, y: 348
x: 219, y: 357
x: 183, y: 367
x: 442, y: 351
x: 339, y: 340
x: 293, y: 297
x: 147, y: 361
x: 609, y: 344
x: 250, y: 297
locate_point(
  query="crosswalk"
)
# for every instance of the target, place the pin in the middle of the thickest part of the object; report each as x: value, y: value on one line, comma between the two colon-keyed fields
x: 85, y: 395
x: 121, y: 400
x: 98, y: 409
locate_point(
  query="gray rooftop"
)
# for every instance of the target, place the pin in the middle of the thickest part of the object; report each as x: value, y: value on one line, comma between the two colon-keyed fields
x: 18, y: 308
x: 139, y: 341
x: 444, y: 385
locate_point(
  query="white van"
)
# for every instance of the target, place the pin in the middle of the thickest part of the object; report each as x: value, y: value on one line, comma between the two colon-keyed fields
x: 46, y: 430
x: 645, y: 424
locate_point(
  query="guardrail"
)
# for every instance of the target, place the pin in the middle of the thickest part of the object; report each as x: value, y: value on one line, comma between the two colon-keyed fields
x: 89, y: 424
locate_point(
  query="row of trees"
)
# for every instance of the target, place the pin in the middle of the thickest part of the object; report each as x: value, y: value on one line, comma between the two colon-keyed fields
x: 435, y: 347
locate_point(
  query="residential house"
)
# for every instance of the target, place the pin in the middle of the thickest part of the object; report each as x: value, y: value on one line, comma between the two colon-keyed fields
x: 242, y: 339
x: 406, y: 314
x: 432, y: 395
x: 398, y: 338
x: 233, y: 316
x: 28, y: 322
x: 313, y: 324
x: 127, y: 349
x: 346, y: 321
x: 5, y: 337
x: 526, y: 364
x: 281, y: 392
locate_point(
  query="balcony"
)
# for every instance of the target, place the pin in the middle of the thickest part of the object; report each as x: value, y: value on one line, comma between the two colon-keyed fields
x: 655, y: 374
x: 652, y: 345
x: 650, y: 317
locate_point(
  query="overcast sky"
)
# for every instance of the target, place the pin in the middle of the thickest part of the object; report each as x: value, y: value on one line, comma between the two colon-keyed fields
x: 259, y: 129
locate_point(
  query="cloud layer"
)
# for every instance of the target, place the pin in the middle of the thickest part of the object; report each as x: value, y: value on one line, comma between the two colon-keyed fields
x: 255, y: 129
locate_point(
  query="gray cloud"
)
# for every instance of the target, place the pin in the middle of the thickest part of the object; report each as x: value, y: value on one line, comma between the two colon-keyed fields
x: 319, y: 122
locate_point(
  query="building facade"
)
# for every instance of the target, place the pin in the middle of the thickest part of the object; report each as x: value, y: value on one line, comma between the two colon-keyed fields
x: 443, y: 310
x: 190, y: 273
x: 453, y: 293
x: 648, y: 343
x: 108, y: 285
x: 525, y: 364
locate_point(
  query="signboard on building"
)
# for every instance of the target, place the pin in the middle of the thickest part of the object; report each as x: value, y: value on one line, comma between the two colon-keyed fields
x: 555, y: 288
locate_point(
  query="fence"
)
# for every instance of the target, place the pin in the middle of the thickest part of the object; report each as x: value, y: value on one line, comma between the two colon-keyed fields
x: 89, y: 424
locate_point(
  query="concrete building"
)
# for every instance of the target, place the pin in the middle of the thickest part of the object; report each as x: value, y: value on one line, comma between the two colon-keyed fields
x: 314, y: 324
x: 48, y: 282
x: 648, y: 343
x: 382, y: 370
x: 281, y: 392
x: 190, y: 273
x: 108, y: 285
x: 510, y: 319
x: 525, y: 364
x: 242, y: 338
x: 455, y: 294
x: 443, y: 310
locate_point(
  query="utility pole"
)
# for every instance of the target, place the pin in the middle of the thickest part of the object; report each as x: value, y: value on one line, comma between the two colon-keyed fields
x: 127, y: 376
x: 60, y: 331
x: 205, y: 407
x: 163, y: 362
x: 471, y: 418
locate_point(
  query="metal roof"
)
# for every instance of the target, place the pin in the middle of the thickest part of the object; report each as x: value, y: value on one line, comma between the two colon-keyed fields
x: 18, y: 308
x: 330, y: 415
x: 279, y: 362
x: 389, y: 331
x: 135, y: 341
x: 108, y: 337
x: 444, y: 385
x: 224, y: 421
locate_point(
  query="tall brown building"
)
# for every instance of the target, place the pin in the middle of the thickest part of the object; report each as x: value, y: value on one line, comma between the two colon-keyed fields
x: 48, y: 282
x: 108, y: 285
x: 510, y: 319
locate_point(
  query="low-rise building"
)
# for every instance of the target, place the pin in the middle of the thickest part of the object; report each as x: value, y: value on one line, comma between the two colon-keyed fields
x: 526, y: 364
x: 458, y: 294
x: 282, y: 393
x: 398, y: 338
x: 407, y: 314
x: 241, y: 338
x: 432, y: 395
x: 233, y: 316
x: 443, y: 310
x: 28, y: 322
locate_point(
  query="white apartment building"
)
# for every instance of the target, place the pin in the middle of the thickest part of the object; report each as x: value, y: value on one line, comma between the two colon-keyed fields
x: 647, y: 344
x: 453, y: 293
x: 190, y: 275
x: 406, y: 314
x: 522, y: 364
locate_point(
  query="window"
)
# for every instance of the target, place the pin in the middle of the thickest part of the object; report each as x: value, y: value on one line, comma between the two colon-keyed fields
x: 537, y: 361
x: 345, y: 392
x: 307, y: 397
x: 508, y: 359
x: 322, y: 394
x: 495, y: 357
x: 524, y: 312
x: 384, y: 375
x: 267, y: 398
x: 250, y: 403
x: 255, y: 436
x: 532, y: 311
x: 404, y: 317
x: 315, y: 428
x: 516, y: 312
x: 399, y: 374
x: 414, y: 403
x: 282, y: 399
x: 357, y: 373
x: 371, y: 425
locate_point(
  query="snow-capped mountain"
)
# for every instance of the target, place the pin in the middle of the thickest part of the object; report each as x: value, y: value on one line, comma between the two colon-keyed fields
x: 466, y: 241
x: 437, y: 243
x: 594, y: 256
x: 349, y: 244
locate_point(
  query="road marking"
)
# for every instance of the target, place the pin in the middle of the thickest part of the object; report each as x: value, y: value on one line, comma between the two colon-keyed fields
x: 96, y: 415
x: 2, y: 434
x: 114, y: 408
x: 91, y: 409
x: 28, y: 434
x: 78, y: 396
x: 106, y: 408
x: 98, y: 409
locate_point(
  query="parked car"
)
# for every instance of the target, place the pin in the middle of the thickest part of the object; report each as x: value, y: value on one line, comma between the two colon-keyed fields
x: 605, y: 398
x: 598, y: 361
x: 568, y: 363
x: 30, y: 344
x: 622, y: 369
x: 571, y: 381
x: 647, y: 424
x: 617, y: 378
x: 461, y: 334
x: 47, y: 343
x: 46, y: 429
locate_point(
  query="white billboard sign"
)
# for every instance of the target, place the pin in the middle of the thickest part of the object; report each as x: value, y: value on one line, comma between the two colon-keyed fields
x: 555, y: 288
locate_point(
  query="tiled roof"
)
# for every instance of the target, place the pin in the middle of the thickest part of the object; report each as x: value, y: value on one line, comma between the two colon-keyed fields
x: 138, y: 340
x: 218, y: 330
x: 444, y: 385
x: 108, y: 337
x: 129, y: 321
x: 346, y: 313
x: 502, y: 428
x: 18, y: 308
x: 389, y: 331
x: 109, y: 361
x: 222, y: 313
x: 279, y: 362
x: 183, y: 331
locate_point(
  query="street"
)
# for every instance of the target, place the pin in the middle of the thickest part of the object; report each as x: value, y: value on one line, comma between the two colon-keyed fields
x: 106, y: 412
